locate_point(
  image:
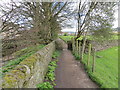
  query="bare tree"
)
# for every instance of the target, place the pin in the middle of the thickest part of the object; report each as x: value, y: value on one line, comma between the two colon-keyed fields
x: 93, y: 16
x: 33, y: 22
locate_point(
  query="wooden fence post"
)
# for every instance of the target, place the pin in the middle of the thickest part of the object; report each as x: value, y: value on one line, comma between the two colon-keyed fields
x: 76, y: 47
x: 93, y: 65
x: 83, y: 48
x: 79, y: 52
x: 73, y: 45
x: 89, y: 53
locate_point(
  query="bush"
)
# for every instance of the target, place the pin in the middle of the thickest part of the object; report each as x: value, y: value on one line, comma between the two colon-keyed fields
x: 65, y: 34
x: 55, y: 54
x: 44, y: 85
x: 51, y: 68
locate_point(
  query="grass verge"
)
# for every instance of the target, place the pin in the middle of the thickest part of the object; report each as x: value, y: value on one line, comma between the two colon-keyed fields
x: 106, y: 67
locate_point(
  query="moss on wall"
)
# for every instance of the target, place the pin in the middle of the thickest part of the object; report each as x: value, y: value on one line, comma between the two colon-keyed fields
x: 29, y: 61
x: 25, y: 71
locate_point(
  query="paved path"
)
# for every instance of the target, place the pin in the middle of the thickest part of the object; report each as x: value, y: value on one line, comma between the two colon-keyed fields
x: 70, y: 73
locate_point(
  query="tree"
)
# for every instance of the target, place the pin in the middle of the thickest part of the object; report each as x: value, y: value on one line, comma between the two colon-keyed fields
x: 94, y: 16
x: 34, y: 22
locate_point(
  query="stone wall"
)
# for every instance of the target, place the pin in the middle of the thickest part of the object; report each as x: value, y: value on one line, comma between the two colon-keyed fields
x: 60, y: 44
x: 30, y: 71
x: 104, y: 45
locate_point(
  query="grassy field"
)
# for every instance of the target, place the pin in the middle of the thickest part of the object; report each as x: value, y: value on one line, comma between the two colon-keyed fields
x: 106, y: 69
x: 68, y: 38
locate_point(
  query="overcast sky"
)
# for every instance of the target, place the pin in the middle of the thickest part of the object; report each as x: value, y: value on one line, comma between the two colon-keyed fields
x: 74, y: 29
x: 115, y: 23
x: 116, y: 19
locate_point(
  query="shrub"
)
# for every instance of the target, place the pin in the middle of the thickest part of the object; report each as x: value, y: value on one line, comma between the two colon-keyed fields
x: 44, y: 85
x: 65, y: 34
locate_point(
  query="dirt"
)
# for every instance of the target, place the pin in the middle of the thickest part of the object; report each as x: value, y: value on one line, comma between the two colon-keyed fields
x: 70, y: 73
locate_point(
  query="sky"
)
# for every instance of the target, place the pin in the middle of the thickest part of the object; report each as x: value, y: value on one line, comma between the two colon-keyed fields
x: 74, y: 29
x: 115, y: 24
x: 116, y: 19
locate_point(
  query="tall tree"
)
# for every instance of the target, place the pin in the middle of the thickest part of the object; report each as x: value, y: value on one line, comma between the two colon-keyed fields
x: 94, y: 16
x: 41, y: 21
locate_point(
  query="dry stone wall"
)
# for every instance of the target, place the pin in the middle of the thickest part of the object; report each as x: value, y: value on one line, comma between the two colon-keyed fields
x: 30, y: 71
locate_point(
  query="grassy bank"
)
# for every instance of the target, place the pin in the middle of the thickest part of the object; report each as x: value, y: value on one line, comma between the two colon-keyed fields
x: 106, y: 68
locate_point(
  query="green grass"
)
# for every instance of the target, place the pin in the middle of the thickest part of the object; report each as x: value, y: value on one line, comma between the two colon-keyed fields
x: 106, y: 68
x: 88, y: 37
x: 56, y: 54
x: 116, y: 37
x: 21, y: 55
x: 66, y: 38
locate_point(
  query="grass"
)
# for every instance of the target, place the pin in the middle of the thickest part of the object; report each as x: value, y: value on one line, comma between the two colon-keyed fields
x: 56, y: 54
x: 106, y: 68
x: 68, y: 38
x: 21, y: 55
x: 116, y: 37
